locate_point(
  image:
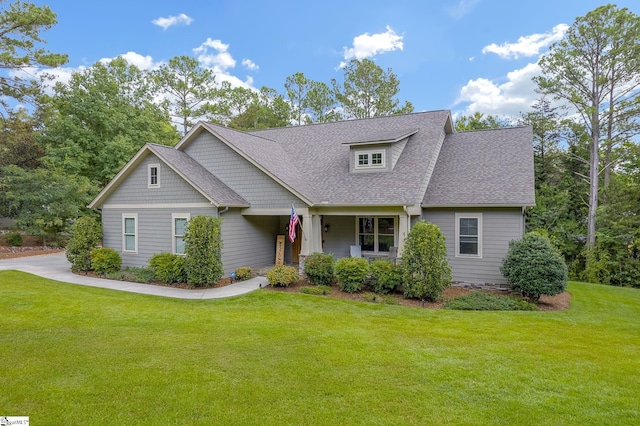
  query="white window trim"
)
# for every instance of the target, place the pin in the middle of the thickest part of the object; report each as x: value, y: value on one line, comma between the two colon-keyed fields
x: 124, y: 240
x: 469, y: 216
x: 149, y: 184
x: 175, y: 216
x: 375, y: 233
x: 369, y: 154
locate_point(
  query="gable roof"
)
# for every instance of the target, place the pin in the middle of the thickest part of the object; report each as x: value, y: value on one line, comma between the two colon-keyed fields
x: 189, y: 169
x: 484, y: 168
x: 319, y: 150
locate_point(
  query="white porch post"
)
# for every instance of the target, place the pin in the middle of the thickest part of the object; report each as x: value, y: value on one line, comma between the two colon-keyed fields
x: 307, y: 234
x: 316, y: 246
x: 403, y: 231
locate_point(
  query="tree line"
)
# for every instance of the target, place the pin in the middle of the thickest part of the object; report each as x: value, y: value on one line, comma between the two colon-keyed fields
x: 56, y: 155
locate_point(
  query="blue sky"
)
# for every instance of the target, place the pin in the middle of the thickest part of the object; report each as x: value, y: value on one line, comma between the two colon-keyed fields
x: 462, y: 55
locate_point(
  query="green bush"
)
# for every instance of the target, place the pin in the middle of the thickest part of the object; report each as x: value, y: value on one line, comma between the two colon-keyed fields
x: 168, y: 268
x: 86, y: 234
x: 105, y: 260
x: 387, y: 299
x: 385, y: 276
x: 352, y: 273
x: 482, y: 301
x: 204, y: 251
x: 319, y: 268
x: 533, y: 267
x: 243, y: 273
x: 371, y: 297
x: 133, y: 274
x: 425, y: 268
x: 320, y: 290
x: 14, y: 239
x: 282, y: 276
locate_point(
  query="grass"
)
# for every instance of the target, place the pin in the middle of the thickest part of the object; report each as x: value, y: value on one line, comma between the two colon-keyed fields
x: 482, y: 301
x: 80, y: 355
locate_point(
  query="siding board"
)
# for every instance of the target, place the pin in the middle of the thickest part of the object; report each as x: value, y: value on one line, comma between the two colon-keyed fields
x: 499, y: 226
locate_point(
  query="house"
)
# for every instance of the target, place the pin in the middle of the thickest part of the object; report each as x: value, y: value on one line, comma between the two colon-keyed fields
x: 353, y: 183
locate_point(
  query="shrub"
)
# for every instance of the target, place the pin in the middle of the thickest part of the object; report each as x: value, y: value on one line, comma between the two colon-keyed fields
x: 533, y: 267
x: 425, y: 268
x: 385, y: 276
x: 389, y: 300
x: 319, y: 268
x: 482, y: 301
x: 243, y: 273
x: 86, y: 234
x: 204, y: 251
x: 320, y: 290
x: 14, y: 239
x: 168, y: 267
x: 282, y: 276
x: 133, y: 274
x: 105, y: 260
x: 352, y: 273
x: 370, y: 297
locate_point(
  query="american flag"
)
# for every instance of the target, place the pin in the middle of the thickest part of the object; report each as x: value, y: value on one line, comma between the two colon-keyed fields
x: 293, y: 222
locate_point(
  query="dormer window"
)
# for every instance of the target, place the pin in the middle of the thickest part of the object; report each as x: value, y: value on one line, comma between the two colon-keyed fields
x: 370, y: 159
x: 153, y: 179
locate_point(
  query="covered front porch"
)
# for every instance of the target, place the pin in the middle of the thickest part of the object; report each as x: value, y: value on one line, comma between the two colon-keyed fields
x: 373, y: 231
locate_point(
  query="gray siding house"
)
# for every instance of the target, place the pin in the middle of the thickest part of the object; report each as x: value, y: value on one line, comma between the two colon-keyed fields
x: 355, y: 184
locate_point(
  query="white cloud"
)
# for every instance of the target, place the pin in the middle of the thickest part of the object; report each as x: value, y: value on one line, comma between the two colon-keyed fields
x: 172, y: 20
x: 133, y: 58
x: 368, y: 45
x: 527, y: 45
x: 462, y: 8
x: 510, y: 98
x: 213, y: 54
x: 249, y: 64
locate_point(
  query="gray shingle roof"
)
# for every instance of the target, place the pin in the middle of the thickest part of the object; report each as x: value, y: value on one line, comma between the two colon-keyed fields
x: 318, y: 150
x: 486, y: 167
x: 198, y: 176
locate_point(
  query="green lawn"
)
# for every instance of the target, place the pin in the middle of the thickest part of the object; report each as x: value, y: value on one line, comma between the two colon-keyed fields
x: 78, y: 355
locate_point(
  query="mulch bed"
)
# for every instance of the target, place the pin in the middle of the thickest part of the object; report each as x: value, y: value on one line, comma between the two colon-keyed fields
x: 547, y: 303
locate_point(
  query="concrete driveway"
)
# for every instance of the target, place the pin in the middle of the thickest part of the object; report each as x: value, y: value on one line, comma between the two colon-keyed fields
x: 57, y: 267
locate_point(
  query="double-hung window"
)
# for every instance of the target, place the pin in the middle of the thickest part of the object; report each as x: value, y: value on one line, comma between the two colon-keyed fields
x: 153, y: 176
x: 130, y: 232
x: 376, y: 234
x: 469, y: 234
x: 178, y: 228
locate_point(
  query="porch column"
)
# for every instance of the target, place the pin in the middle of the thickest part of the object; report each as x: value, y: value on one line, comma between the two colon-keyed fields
x: 307, y: 234
x: 316, y: 246
x: 403, y: 231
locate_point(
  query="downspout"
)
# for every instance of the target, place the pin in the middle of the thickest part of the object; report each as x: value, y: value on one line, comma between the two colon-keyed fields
x: 220, y: 212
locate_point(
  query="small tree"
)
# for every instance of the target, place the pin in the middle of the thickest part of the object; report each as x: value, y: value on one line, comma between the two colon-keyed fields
x: 86, y: 234
x: 425, y: 268
x: 533, y: 267
x: 204, y: 251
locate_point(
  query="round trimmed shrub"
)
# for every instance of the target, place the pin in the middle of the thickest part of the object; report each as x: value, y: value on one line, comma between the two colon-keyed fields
x: 169, y: 268
x: 282, y: 276
x: 243, y: 273
x: 105, y: 260
x: 352, y: 273
x: 385, y: 276
x: 425, y: 268
x: 319, y: 268
x: 534, y: 268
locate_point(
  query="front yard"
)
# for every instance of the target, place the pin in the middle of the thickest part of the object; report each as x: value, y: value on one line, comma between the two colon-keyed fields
x: 80, y: 355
